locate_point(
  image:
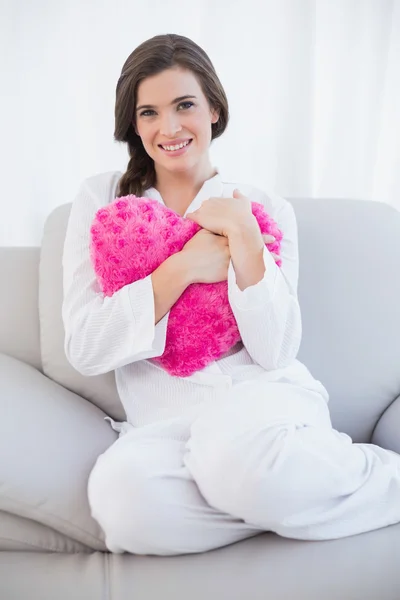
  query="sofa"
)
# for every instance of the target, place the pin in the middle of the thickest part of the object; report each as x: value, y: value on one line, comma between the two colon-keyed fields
x: 53, y: 427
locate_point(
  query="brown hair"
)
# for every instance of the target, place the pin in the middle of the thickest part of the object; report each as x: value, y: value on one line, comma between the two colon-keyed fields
x: 150, y: 58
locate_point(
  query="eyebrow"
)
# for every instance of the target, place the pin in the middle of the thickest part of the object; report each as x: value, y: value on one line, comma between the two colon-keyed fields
x: 173, y: 102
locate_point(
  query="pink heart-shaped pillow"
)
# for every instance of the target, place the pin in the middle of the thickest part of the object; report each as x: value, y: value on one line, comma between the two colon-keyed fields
x: 130, y: 238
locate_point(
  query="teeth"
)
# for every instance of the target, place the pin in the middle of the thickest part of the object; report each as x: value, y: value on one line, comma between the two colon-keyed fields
x: 177, y: 147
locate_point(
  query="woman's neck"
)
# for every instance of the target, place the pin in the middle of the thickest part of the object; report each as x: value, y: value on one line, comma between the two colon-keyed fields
x: 179, y: 189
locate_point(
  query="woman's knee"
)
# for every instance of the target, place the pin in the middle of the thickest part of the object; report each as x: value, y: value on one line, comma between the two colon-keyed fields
x: 143, y: 502
x: 125, y: 500
x: 109, y: 498
x: 260, y: 477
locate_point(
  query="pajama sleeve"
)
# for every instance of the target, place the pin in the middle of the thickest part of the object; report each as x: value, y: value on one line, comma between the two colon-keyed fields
x: 268, y: 313
x: 103, y: 333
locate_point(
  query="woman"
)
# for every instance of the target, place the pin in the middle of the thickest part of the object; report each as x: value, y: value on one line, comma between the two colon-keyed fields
x: 246, y: 444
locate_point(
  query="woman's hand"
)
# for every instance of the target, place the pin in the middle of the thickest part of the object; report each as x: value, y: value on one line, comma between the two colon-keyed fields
x: 223, y: 215
x: 229, y: 217
x: 206, y: 257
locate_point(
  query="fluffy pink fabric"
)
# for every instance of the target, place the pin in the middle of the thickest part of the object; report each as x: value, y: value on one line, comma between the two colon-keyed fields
x: 130, y: 238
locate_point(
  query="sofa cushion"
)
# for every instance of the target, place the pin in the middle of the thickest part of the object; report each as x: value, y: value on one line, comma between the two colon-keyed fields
x: 19, y: 319
x: 101, y: 390
x: 50, y: 439
x: 267, y: 567
x: 121, y: 235
x: 386, y: 433
x: 17, y: 533
x: 45, y: 576
x: 349, y: 291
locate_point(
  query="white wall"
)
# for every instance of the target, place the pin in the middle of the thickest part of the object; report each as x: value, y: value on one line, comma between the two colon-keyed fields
x: 313, y: 85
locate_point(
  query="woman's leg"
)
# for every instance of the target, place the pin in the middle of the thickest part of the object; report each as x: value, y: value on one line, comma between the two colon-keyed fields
x: 268, y: 454
x: 145, y: 499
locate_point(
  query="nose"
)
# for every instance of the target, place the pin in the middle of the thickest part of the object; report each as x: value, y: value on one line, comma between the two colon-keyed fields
x: 170, y: 125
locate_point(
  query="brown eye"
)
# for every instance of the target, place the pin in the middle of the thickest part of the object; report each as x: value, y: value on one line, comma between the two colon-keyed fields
x: 185, y: 105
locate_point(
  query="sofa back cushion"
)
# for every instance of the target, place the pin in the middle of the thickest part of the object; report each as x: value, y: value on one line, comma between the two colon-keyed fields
x: 101, y: 389
x: 19, y: 320
x: 349, y: 291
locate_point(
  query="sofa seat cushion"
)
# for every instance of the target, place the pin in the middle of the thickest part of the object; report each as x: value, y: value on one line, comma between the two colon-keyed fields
x: 265, y: 567
x: 268, y: 567
x: 50, y: 439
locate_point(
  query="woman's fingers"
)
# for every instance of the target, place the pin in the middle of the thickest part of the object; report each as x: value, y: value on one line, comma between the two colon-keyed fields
x: 268, y: 239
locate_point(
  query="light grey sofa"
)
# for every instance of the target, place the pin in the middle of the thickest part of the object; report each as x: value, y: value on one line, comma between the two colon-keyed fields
x: 52, y: 428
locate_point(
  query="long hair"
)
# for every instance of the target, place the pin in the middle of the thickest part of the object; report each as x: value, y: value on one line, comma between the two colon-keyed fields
x: 150, y: 58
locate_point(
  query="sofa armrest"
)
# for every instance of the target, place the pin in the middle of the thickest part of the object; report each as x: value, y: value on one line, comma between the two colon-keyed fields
x: 387, y: 430
x: 50, y: 439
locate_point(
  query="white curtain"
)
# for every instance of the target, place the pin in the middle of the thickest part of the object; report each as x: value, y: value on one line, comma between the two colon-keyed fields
x: 313, y: 86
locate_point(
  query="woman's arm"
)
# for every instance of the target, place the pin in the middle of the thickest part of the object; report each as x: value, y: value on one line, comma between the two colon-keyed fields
x: 246, y: 246
x: 263, y: 296
x: 104, y: 333
x: 169, y: 281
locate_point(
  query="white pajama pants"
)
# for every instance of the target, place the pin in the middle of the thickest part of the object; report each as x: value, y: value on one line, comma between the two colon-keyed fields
x: 261, y: 459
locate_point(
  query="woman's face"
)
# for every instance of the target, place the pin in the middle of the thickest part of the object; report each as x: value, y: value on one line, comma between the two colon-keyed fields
x: 173, y: 119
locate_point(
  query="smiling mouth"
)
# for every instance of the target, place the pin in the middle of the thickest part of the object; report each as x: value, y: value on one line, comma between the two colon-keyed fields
x: 176, y: 147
